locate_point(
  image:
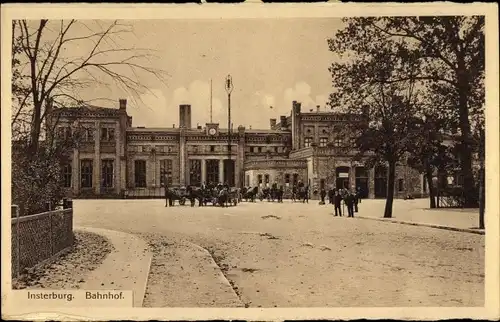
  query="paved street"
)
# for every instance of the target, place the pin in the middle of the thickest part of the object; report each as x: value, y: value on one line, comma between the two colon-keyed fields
x: 297, y: 255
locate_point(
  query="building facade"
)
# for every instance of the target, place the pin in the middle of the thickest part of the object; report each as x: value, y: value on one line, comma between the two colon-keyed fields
x: 115, y: 157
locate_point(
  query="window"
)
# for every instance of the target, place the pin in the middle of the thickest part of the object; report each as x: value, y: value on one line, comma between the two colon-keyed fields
x: 259, y: 149
x: 287, y: 178
x: 89, y: 134
x: 140, y: 173
x: 295, y: 178
x: 63, y: 132
x: 276, y: 149
x: 323, y: 142
x: 338, y: 142
x: 266, y: 178
x: 212, y: 171
x: 66, y: 174
x: 107, y: 173
x: 259, y: 178
x: 307, y: 142
x: 165, y: 172
x: 401, y: 185
x: 195, y: 172
x: 107, y: 134
x: 86, y: 167
x: 212, y: 148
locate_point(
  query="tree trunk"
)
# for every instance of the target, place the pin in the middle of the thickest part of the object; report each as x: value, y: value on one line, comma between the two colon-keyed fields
x: 432, y: 192
x: 470, y: 192
x: 481, y: 199
x: 390, y: 190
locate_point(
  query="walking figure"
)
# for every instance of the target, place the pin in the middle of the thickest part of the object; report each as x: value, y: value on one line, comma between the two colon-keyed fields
x: 323, y: 195
x: 349, y: 201
x: 338, y: 202
x: 168, y: 199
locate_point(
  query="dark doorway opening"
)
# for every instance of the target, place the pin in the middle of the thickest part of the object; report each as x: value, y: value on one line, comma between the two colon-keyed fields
x: 342, y: 175
x: 362, y: 181
x: 229, y: 166
x: 380, y: 182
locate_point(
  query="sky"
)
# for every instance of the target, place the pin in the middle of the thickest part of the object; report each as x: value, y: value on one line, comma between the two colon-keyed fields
x: 272, y: 63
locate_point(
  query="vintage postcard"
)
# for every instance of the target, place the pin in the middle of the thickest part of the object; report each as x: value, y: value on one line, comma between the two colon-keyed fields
x: 250, y: 161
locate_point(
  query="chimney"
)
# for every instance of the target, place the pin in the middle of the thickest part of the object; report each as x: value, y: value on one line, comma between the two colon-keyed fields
x: 317, y: 108
x: 283, y: 122
x: 185, y: 116
x: 272, y: 122
x: 123, y: 103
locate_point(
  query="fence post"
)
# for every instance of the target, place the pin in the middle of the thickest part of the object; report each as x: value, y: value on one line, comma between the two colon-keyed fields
x: 15, y: 209
x: 51, y: 235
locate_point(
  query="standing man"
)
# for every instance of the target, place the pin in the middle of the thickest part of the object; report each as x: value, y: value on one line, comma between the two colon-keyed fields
x: 358, y: 191
x: 168, y: 200
x: 338, y: 202
x: 349, y: 201
x: 356, y: 200
x: 323, y: 195
x: 331, y: 195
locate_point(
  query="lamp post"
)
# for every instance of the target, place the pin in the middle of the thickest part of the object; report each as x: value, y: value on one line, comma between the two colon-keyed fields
x: 229, y: 89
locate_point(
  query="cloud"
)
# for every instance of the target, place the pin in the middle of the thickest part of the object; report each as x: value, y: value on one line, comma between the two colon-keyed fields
x: 301, y: 92
x: 162, y: 109
x: 153, y: 111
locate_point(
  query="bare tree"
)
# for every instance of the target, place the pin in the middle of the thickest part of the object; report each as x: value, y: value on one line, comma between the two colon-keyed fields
x: 45, y: 68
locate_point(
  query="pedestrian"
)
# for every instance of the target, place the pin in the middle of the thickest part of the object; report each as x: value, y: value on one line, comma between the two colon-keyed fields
x: 168, y: 199
x: 349, y: 201
x: 323, y: 195
x: 338, y: 202
x: 359, y: 194
x: 331, y: 196
x: 356, y: 201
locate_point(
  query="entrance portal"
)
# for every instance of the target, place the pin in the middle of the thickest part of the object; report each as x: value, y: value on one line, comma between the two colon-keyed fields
x: 380, y: 182
x: 342, y: 175
x: 362, y: 181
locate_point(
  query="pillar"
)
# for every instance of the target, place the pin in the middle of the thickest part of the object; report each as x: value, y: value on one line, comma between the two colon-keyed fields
x: 221, y: 171
x: 182, y: 158
x: 96, y: 180
x: 371, y: 183
x: 352, y: 177
x: 117, y: 163
x: 75, y: 172
x: 203, y: 171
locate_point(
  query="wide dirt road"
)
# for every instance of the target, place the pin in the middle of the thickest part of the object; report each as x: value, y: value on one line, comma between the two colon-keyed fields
x: 297, y: 255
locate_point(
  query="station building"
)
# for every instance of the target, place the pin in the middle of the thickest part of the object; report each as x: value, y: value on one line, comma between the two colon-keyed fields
x: 116, y: 158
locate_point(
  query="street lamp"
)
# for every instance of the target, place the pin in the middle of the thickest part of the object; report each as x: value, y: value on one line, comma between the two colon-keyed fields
x: 229, y: 89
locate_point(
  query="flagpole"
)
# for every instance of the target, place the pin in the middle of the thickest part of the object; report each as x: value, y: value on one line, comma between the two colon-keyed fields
x: 210, y: 100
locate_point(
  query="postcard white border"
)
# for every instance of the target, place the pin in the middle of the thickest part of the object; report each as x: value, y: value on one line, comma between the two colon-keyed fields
x: 249, y: 11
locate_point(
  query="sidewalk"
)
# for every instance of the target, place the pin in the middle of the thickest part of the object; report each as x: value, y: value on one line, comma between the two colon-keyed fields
x: 125, y: 268
x: 417, y: 212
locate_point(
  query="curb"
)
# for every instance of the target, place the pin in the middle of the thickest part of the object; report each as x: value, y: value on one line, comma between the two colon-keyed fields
x: 147, y: 280
x: 100, y: 231
x: 221, y: 274
x: 463, y: 230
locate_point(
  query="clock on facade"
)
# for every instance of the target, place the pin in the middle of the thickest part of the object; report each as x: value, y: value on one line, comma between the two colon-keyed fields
x: 212, y: 131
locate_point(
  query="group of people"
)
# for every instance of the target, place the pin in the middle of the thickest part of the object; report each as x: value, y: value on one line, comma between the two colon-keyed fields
x: 350, y: 198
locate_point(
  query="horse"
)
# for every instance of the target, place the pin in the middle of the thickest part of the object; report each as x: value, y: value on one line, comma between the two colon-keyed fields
x: 222, y: 197
x: 303, y: 194
x: 176, y: 194
x: 249, y: 193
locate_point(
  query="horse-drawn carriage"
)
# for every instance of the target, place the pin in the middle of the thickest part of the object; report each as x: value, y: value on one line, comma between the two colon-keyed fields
x: 217, y: 196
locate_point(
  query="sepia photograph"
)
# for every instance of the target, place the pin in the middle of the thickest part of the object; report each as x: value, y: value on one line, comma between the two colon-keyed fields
x: 255, y: 162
